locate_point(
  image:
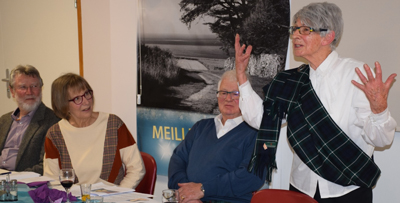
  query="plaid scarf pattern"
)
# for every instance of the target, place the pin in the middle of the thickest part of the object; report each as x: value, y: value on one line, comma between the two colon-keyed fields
x: 314, y: 136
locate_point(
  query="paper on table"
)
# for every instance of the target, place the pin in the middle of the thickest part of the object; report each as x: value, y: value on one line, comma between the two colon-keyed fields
x: 36, y: 179
x: 130, y: 197
x: 101, y: 189
x: 4, y: 171
x: 21, y: 175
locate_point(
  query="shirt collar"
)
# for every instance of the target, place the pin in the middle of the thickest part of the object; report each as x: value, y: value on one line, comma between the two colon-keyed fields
x: 235, y: 121
x: 324, y: 67
x: 15, y: 114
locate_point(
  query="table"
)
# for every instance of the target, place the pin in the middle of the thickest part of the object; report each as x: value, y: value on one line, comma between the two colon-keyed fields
x: 23, y: 195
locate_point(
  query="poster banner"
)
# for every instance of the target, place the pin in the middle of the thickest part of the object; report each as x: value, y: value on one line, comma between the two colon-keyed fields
x: 184, y: 47
x: 161, y: 130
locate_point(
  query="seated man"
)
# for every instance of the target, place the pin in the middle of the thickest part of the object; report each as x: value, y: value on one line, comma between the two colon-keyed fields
x: 211, y: 163
x: 23, y: 131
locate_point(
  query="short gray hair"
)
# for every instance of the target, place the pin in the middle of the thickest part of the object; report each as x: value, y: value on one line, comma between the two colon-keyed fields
x: 26, y: 70
x: 322, y: 15
x: 229, y: 75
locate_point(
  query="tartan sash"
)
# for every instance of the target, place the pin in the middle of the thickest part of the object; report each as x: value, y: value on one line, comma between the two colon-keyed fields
x: 314, y: 136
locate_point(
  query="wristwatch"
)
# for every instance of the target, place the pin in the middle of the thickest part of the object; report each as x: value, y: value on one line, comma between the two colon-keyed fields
x: 202, y: 188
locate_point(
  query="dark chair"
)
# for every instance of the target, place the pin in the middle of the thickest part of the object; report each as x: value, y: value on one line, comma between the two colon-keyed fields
x: 148, y: 182
x: 281, y: 196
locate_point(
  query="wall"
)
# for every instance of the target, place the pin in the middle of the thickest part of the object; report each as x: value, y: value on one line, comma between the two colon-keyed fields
x: 109, y: 43
x: 40, y: 33
x: 109, y: 53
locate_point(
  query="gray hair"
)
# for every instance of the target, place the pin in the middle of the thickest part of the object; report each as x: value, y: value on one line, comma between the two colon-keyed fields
x: 26, y: 70
x: 229, y: 75
x: 322, y: 15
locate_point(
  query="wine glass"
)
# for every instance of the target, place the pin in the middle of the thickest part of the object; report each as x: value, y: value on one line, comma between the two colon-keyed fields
x: 67, y: 178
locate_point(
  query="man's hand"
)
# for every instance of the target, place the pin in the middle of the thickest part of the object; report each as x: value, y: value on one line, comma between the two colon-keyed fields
x: 190, y: 191
x: 241, y: 59
x: 374, y: 88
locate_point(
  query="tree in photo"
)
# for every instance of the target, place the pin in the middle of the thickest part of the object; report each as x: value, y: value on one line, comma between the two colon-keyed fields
x: 261, y: 23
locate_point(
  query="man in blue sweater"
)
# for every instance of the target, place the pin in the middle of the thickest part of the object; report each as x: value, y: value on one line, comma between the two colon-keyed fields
x: 210, y: 165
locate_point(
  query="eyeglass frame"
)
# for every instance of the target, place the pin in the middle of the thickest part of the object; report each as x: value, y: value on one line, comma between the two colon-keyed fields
x: 292, y: 29
x: 81, y: 96
x: 229, y: 93
x: 24, y: 88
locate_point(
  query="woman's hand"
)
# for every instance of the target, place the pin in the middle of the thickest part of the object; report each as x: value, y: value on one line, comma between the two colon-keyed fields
x: 374, y: 88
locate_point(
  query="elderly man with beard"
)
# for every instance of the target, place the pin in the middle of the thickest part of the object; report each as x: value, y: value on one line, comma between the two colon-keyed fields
x: 23, y: 131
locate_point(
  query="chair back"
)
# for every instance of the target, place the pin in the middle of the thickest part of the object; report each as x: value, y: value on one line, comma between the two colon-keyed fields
x: 281, y: 196
x: 148, y: 182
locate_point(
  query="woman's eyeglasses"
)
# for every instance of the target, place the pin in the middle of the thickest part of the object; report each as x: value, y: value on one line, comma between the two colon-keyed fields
x: 305, y: 30
x: 79, y: 99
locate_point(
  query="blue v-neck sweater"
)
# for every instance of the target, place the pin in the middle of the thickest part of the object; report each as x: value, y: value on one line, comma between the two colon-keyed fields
x: 219, y: 164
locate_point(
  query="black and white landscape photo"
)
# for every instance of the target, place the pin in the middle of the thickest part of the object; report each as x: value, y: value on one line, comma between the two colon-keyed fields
x: 184, y: 47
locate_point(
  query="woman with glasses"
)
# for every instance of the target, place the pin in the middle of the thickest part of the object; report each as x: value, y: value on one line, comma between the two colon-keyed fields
x: 335, y: 115
x: 97, y: 145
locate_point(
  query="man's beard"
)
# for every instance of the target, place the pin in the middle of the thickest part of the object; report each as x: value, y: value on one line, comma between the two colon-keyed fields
x: 28, y: 107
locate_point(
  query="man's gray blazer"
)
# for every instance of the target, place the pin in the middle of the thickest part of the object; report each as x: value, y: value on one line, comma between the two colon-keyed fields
x: 31, y: 149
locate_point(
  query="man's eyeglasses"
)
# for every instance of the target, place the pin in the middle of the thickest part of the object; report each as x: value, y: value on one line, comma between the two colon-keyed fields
x: 79, y: 99
x: 24, y: 88
x: 234, y: 94
x: 305, y: 30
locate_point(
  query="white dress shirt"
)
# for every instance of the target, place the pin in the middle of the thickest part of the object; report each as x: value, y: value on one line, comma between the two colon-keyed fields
x: 348, y: 107
x: 229, y: 124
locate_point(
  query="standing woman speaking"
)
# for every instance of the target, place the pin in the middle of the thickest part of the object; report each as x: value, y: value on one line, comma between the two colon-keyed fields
x: 336, y: 112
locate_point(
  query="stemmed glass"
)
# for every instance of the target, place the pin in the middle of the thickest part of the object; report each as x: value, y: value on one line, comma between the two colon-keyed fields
x: 67, y: 178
